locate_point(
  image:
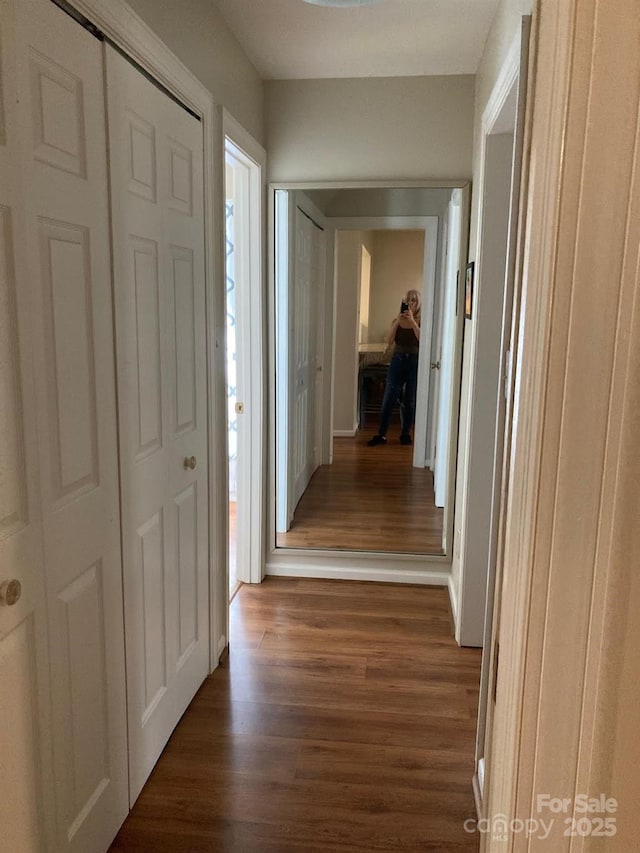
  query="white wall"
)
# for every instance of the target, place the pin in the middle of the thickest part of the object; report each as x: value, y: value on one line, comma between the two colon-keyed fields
x: 397, y: 266
x: 196, y: 32
x: 505, y: 26
x: 370, y: 128
x: 411, y: 201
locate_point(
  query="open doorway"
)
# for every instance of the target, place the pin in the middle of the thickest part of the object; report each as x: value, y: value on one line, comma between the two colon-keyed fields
x: 244, y: 162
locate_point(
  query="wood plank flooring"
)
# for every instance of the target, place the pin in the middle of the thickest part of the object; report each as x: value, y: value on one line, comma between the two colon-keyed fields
x: 343, y: 720
x: 369, y: 499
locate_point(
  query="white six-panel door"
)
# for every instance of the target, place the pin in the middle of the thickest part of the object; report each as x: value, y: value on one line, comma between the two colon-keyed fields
x: 61, y: 271
x: 26, y: 804
x: 158, y: 244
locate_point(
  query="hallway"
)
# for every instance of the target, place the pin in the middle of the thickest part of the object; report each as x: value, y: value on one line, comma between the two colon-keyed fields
x: 343, y: 719
x: 368, y: 499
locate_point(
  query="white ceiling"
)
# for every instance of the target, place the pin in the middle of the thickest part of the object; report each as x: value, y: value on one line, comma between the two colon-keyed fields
x: 290, y: 39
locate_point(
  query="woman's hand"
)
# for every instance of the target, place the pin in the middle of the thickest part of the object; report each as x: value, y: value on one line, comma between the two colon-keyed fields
x: 408, y: 315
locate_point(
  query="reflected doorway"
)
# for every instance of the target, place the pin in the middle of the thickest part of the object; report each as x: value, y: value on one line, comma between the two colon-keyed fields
x: 371, y: 262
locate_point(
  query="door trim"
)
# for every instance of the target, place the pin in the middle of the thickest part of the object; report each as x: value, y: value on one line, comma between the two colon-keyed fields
x: 512, y: 79
x: 566, y: 698
x: 129, y: 32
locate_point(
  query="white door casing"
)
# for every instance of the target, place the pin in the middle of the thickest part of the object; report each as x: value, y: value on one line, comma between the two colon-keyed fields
x: 158, y: 237
x: 424, y: 394
x: 436, y: 345
x: 62, y: 138
x: 248, y: 160
x: 444, y: 432
x: 238, y: 195
x: 283, y: 232
x: 511, y: 310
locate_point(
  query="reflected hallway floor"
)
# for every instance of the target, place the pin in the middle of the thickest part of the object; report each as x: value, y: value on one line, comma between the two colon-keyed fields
x: 369, y: 499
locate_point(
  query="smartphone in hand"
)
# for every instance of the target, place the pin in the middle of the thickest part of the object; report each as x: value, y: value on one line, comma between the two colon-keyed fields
x: 404, y: 306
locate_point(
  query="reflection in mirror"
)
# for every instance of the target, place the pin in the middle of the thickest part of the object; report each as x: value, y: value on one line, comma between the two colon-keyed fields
x: 355, y: 469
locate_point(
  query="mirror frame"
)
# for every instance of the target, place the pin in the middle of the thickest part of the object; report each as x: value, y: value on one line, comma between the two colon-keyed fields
x: 321, y: 562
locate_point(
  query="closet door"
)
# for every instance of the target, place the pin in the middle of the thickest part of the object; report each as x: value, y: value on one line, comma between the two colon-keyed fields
x: 61, y: 122
x: 158, y: 240
x: 26, y: 804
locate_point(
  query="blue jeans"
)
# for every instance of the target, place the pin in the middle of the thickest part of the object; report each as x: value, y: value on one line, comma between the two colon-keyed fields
x: 403, y: 374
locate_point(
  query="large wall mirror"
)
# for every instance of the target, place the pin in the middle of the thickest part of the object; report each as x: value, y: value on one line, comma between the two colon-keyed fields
x: 365, y: 388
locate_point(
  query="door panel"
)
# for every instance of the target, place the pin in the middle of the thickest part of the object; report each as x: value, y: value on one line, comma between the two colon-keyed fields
x: 62, y: 124
x: 26, y: 806
x: 21, y: 804
x: 69, y: 505
x: 158, y: 233
x: 69, y: 360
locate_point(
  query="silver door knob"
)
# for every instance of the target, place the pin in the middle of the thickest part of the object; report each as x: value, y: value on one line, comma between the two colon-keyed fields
x: 435, y: 365
x: 190, y: 462
x: 10, y: 592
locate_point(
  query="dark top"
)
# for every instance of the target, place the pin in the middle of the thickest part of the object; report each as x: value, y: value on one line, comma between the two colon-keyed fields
x: 405, y: 341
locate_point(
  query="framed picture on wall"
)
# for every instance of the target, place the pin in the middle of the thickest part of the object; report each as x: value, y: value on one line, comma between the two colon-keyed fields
x: 468, y: 291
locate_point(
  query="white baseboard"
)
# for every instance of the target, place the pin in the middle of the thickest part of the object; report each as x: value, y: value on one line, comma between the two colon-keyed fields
x: 392, y: 568
x: 344, y: 433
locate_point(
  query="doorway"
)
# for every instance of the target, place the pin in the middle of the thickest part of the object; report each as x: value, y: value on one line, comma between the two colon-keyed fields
x: 244, y: 164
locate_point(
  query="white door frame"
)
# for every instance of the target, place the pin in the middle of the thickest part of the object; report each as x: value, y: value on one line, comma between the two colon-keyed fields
x: 283, y: 233
x: 428, y: 224
x: 251, y: 456
x: 445, y: 428
x: 510, y: 86
x: 565, y: 715
x: 486, y: 365
x: 129, y: 32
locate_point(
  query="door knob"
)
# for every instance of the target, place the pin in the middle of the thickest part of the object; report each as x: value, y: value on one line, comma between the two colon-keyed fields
x: 190, y: 462
x: 435, y: 365
x: 10, y: 592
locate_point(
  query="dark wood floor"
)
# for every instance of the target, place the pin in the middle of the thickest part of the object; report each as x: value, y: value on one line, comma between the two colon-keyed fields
x: 343, y: 720
x: 369, y: 499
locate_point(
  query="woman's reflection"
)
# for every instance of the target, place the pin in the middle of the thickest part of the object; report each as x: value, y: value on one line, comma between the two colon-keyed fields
x: 402, y: 377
